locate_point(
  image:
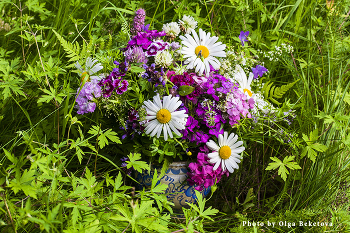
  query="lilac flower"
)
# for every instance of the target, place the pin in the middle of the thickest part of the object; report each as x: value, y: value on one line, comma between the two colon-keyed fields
x: 135, y: 55
x: 238, y: 105
x: 243, y: 36
x: 259, y: 71
x: 175, y: 45
x: 84, y: 100
x: 139, y: 21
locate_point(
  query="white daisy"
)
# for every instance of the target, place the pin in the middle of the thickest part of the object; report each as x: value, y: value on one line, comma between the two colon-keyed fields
x: 163, y: 116
x: 201, y: 51
x: 188, y: 23
x: 226, y: 153
x: 243, y: 81
x: 163, y: 58
x: 171, y: 29
x: 244, y: 84
x: 90, y: 69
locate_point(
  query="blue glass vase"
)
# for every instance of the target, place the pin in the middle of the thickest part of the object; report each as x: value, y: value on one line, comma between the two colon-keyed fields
x: 179, y: 191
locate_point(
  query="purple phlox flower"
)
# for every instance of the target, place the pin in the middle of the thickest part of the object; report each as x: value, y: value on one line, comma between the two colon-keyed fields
x: 217, y: 130
x: 139, y: 21
x: 191, y: 123
x: 259, y: 71
x: 202, y: 137
x: 84, y: 100
x: 201, y: 173
x: 243, y: 37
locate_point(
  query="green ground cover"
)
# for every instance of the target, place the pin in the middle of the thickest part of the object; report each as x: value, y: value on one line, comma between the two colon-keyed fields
x: 61, y: 171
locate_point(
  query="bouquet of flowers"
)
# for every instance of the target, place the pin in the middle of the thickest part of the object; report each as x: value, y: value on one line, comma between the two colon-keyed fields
x: 179, y: 94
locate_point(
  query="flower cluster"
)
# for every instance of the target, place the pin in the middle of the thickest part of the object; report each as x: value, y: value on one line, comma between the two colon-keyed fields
x: 86, y: 96
x: 201, y: 172
x: 114, y: 81
x: 200, y: 93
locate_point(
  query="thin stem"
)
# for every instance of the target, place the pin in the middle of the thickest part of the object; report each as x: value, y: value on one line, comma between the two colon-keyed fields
x: 97, y: 147
x: 8, y: 211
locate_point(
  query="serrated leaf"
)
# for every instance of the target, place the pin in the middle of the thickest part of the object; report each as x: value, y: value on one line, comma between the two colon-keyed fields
x: 10, y: 157
x: 282, y: 170
x: 24, y: 184
x: 137, y: 165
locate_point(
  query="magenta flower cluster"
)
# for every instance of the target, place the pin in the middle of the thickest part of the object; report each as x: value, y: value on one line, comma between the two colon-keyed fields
x: 85, y: 98
x: 114, y: 81
x: 201, y: 173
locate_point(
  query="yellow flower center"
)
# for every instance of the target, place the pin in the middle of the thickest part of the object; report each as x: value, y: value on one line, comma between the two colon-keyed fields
x: 163, y: 116
x: 225, y: 152
x: 204, y: 51
x: 249, y: 92
x: 85, y: 77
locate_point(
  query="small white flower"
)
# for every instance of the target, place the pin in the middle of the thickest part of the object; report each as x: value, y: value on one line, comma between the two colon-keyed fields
x: 226, y: 153
x: 188, y: 23
x: 163, y: 58
x: 171, y: 29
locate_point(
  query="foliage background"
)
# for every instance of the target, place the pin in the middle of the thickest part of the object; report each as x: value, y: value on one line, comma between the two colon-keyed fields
x: 56, y: 168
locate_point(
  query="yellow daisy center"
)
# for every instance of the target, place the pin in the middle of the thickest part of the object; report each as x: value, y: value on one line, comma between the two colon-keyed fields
x: 163, y: 116
x: 248, y: 91
x: 85, y: 77
x: 225, y: 152
x: 203, y: 50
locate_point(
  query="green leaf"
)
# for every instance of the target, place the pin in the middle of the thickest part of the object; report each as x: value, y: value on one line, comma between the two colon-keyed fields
x: 50, y: 96
x: 160, y: 188
x: 282, y: 170
x: 24, y: 183
x: 137, y: 165
x: 271, y: 92
x: 201, y: 204
x: 312, y: 146
x: 136, y: 69
x: 75, y: 215
x: 11, y: 84
x: 104, y: 136
x: 185, y: 90
x: 10, y: 157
